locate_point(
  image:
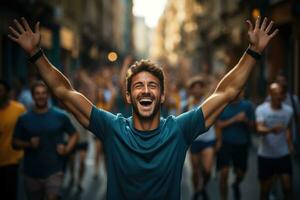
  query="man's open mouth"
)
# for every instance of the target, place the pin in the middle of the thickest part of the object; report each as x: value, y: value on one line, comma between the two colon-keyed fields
x: 145, y: 101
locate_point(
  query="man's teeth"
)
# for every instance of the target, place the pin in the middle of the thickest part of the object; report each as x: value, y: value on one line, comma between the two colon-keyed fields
x: 146, y: 100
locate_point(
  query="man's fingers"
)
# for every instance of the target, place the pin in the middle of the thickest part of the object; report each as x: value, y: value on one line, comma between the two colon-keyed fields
x: 269, y: 27
x: 264, y: 24
x: 19, y: 26
x: 37, y: 27
x: 250, y: 26
x: 14, y: 32
x: 12, y: 38
x: 26, y: 25
x: 257, y: 23
x: 274, y: 33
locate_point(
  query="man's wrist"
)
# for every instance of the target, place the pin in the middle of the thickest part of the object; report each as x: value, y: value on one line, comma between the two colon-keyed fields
x: 33, y: 51
x: 254, y: 48
x: 67, y: 149
x: 253, y: 53
x: 35, y: 55
x: 31, y: 146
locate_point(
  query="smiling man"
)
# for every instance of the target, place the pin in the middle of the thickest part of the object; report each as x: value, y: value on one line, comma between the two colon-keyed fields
x: 145, y: 92
x: 145, y: 152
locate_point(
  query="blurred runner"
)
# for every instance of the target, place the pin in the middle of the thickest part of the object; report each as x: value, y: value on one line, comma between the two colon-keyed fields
x: 202, y: 148
x: 236, y: 124
x: 80, y: 150
x: 105, y: 105
x: 273, y: 121
x: 293, y: 101
x: 9, y: 158
x: 40, y: 132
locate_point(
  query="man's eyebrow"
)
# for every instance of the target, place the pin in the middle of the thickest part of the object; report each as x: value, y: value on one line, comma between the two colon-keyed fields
x: 154, y: 82
x: 138, y: 82
x: 143, y: 82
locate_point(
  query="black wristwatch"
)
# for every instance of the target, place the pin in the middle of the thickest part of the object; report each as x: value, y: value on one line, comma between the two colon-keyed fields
x: 36, y: 56
x: 254, y: 54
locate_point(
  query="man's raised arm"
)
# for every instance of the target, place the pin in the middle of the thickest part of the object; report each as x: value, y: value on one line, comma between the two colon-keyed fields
x: 79, y: 105
x: 232, y: 83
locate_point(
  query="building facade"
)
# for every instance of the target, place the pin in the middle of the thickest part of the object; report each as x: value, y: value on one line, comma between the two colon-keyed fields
x: 75, y: 33
x: 212, y: 35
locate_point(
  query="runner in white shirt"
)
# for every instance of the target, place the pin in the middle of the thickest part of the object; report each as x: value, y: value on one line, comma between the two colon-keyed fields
x: 273, y: 120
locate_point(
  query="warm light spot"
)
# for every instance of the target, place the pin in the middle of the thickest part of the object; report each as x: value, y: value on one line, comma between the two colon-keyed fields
x: 112, y: 56
x: 255, y: 13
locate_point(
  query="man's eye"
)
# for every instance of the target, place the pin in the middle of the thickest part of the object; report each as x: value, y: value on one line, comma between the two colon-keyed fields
x: 153, y: 86
x: 138, y: 86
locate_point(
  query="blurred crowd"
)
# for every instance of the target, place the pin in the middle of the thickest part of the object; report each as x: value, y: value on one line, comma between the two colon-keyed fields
x: 28, y: 116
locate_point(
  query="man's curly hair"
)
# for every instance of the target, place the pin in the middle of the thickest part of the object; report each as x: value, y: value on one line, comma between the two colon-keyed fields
x: 144, y: 65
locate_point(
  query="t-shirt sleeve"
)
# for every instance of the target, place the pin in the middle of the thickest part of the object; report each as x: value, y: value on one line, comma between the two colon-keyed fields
x: 291, y: 114
x: 250, y: 112
x: 19, y: 131
x: 192, y: 124
x: 259, y: 114
x: 101, y: 123
x: 222, y: 116
x: 68, y: 126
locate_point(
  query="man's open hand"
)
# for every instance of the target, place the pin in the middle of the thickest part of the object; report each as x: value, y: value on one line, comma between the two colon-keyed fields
x: 241, y: 117
x: 261, y: 34
x: 34, y: 142
x: 61, y: 150
x: 22, y: 34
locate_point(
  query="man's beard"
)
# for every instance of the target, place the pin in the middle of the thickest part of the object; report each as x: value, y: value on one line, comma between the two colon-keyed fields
x: 146, y: 118
x: 41, y: 105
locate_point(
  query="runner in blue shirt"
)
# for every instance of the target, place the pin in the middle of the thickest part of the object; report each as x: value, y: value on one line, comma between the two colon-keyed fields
x: 235, y: 123
x: 40, y: 132
x: 145, y: 152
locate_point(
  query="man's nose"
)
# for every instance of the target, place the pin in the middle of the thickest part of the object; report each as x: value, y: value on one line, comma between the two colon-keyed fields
x: 145, y: 89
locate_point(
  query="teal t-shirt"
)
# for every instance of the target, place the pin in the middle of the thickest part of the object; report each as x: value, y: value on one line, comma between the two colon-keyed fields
x: 50, y: 127
x: 145, y: 164
x: 239, y: 132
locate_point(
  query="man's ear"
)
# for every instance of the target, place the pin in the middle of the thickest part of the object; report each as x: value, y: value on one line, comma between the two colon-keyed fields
x: 162, y: 98
x: 128, y: 97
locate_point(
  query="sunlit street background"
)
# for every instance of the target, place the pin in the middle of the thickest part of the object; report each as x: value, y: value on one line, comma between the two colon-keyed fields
x: 90, y: 41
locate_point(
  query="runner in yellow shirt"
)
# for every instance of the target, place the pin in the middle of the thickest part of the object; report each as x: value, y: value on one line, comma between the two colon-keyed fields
x: 9, y: 158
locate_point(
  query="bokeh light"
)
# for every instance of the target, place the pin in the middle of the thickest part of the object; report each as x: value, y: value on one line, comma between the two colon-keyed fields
x: 112, y: 56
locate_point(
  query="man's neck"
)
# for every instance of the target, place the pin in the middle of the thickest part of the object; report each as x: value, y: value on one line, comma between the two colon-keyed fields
x: 146, y: 124
x: 276, y: 106
x: 41, y: 110
x: 197, y: 101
